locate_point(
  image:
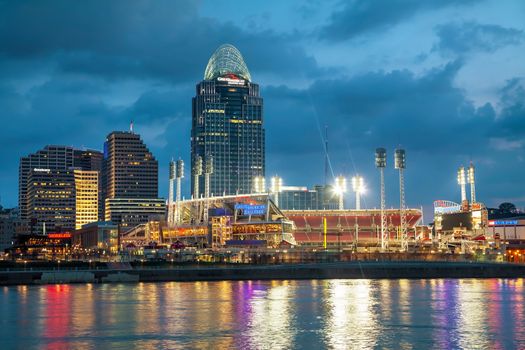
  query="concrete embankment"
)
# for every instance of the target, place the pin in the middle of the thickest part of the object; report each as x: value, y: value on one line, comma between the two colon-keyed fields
x: 340, y: 270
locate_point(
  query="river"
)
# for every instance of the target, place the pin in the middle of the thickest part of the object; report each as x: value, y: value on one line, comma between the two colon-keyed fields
x: 309, y: 314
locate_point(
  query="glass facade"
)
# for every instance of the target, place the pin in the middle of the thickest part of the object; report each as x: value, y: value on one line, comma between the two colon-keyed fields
x: 227, y: 124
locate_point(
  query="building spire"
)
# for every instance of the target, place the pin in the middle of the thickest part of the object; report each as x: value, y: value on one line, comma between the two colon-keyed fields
x: 131, y: 126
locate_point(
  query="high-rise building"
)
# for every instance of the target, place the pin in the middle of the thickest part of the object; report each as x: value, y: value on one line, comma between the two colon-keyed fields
x: 227, y: 124
x: 130, y: 180
x: 51, y: 200
x: 91, y: 160
x: 53, y: 158
x: 130, y: 170
x: 86, y: 197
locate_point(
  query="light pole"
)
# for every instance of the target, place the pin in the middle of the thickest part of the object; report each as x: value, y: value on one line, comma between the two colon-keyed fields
x: 470, y: 176
x: 340, y: 189
x: 381, y: 165
x: 462, y: 182
x: 259, y: 184
x: 275, y: 188
x: 197, y: 171
x: 358, y: 187
x: 400, y: 164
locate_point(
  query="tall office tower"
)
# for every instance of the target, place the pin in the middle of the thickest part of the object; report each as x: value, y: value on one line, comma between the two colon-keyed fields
x: 227, y: 124
x: 130, y: 180
x: 91, y: 160
x: 131, y: 171
x: 52, y: 158
x: 51, y: 200
x: 88, y: 159
x: 86, y: 197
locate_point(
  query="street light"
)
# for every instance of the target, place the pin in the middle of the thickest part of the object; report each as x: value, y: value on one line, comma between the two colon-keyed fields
x: 340, y: 189
x: 358, y: 186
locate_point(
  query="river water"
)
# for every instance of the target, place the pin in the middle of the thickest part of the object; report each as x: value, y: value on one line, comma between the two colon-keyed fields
x: 336, y: 314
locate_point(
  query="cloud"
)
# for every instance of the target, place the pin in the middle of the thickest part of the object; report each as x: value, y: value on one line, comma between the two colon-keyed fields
x: 426, y: 114
x: 359, y: 17
x: 468, y: 37
x: 502, y: 144
x: 161, y: 40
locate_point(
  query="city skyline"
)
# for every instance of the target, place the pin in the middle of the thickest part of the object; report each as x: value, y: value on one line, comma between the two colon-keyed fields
x: 373, y: 82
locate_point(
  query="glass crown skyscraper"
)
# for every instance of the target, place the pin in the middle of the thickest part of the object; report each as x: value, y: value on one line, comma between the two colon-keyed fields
x: 227, y: 124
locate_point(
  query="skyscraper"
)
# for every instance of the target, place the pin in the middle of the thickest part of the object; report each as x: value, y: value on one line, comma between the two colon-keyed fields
x: 52, y: 158
x: 86, y: 197
x: 227, y: 124
x: 130, y: 170
x: 130, y: 180
x: 51, y: 200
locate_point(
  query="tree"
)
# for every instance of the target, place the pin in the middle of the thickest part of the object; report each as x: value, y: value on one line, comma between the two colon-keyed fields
x: 507, y: 207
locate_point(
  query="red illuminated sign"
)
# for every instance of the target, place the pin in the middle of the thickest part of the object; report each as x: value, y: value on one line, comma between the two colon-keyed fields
x: 61, y: 235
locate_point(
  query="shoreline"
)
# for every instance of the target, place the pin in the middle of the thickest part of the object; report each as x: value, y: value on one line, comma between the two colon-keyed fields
x: 335, y: 270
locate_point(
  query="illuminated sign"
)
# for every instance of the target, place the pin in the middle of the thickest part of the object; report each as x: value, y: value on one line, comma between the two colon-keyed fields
x: 503, y: 223
x: 251, y: 209
x: 62, y: 235
x: 42, y: 170
x: 231, y: 81
x: 257, y: 228
x: 220, y: 111
x: 446, y: 207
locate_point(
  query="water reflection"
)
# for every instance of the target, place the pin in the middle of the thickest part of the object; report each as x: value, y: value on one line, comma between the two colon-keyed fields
x: 336, y: 314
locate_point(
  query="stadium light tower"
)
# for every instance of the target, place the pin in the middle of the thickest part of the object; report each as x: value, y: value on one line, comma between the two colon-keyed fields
x: 400, y: 164
x: 381, y: 165
x: 462, y: 183
x: 259, y: 184
x: 179, y: 174
x: 171, y: 216
x: 358, y: 186
x: 197, y: 171
x: 275, y: 188
x: 340, y: 189
x: 470, y: 175
x: 208, y: 170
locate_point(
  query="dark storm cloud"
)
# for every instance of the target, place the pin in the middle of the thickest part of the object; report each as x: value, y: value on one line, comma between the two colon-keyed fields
x: 358, y: 17
x: 468, y: 37
x: 165, y: 40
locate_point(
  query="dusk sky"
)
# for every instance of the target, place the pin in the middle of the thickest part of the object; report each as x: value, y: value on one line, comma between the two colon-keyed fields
x: 443, y: 79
